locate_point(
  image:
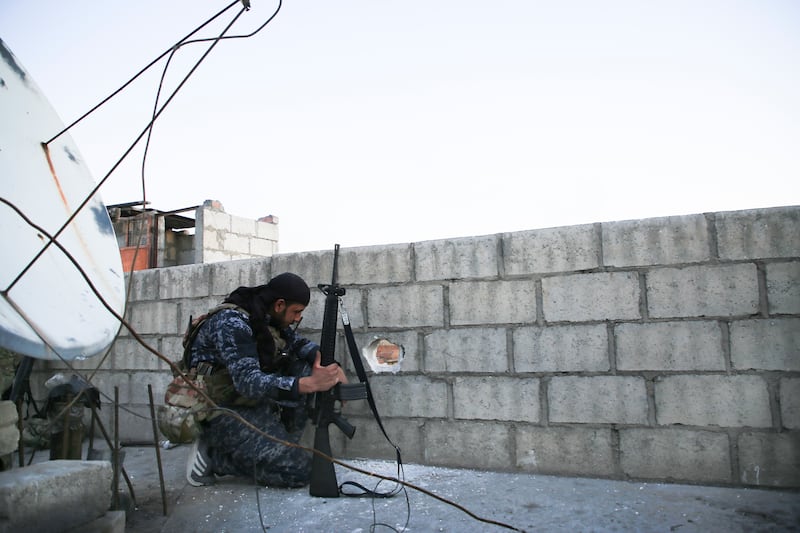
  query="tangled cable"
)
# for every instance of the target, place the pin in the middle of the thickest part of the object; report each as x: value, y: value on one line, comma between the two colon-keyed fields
x: 52, y: 239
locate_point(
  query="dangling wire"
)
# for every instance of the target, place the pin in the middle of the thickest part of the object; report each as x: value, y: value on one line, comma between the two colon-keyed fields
x: 156, y: 114
x: 145, y: 69
x: 183, y: 42
x: 138, y: 338
x: 52, y: 239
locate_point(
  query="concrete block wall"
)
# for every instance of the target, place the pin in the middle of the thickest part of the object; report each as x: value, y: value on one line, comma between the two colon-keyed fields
x: 663, y: 349
x: 9, y: 433
x: 223, y: 237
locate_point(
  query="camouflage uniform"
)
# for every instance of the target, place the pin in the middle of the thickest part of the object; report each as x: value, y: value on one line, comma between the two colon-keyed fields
x: 271, y: 402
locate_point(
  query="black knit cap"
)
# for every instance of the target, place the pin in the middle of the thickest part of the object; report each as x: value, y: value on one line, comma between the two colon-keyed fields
x: 289, y: 287
x: 258, y: 300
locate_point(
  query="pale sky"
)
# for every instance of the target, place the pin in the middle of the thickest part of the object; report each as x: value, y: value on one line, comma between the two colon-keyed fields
x: 372, y: 122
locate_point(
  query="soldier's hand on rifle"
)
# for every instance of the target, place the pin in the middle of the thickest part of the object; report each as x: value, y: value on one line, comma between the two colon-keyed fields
x: 322, y: 378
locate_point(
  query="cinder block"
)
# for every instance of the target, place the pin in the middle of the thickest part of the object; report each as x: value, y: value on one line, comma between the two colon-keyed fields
x: 191, y: 308
x: 759, y: 233
x: 313, y: 267
x: 370, y: 442
x: 153, y: 317
x: 267, y: 231
x: 479, y: 445
x: 770, y: 459
x: 128, y: 354
x: 9, y: 434
x: 263, y: 247
x: 239, y: 256
x: 187, y: 281
x: 569, y: 451
x: 214, y: 256
x: 696, y: 291
x: 496, y: 398
x: 721, y: 400
x: 790, y: 402
x: 576, y: 348
x: 406, y: 396
x: 242, y: 226
x: 656, y: 241
x: 670, y: 346
x: 315, y: 311
x: 171, y: 348
x: 144, y: 284
x: 466, y: 350
x: 54, y: 495
x: 783, y: 288
x: 226, y: 277
x: 405, y: 306
x: 597, y: 400
x: 141, y: 379
x: 375, y: 264
x: 212, y: 219
x: 492, y: 302
x: 541, y: 251
x: 675, y: 455
x: 474, y: 257
x: 231, y: 243
x: 769, y: 344
x: 585, y: 297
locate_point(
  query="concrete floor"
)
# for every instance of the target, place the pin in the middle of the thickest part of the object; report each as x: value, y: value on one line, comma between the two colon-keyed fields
x: 513, y: 501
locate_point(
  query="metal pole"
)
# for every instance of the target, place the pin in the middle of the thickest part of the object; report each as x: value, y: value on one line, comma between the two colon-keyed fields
x: 158, y: 448
x: 115, y: 453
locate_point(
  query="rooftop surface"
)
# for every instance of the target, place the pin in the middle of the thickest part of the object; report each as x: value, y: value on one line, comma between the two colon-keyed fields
x: 520, y: 501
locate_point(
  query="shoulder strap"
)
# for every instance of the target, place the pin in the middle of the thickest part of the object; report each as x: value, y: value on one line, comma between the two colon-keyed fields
x: 362, y: 376
x: 193, y: 328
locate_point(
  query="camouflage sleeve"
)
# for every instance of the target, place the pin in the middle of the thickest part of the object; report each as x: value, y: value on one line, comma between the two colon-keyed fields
x: 300, y: 346
x: 228, y: 339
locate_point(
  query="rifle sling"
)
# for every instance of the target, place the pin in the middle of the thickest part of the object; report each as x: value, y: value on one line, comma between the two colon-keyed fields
x: 362, y: 376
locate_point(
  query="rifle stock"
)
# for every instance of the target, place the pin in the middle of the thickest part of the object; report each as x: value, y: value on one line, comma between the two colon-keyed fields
x: 323, y: 474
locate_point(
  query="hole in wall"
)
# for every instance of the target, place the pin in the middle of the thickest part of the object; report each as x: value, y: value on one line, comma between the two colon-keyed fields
x: 382, y: 355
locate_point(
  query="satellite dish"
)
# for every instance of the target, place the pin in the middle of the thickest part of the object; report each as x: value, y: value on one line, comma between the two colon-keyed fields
x: 48, y: 310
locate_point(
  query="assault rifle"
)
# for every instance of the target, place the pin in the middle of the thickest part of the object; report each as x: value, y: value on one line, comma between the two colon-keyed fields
x: 323, y: 474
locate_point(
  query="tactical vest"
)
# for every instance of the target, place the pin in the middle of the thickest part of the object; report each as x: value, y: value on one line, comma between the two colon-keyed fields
x: 219, y: 384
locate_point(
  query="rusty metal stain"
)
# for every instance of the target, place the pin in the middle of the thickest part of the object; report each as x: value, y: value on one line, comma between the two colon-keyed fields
x: 87, y: 252
x: 46, y: 149
x: 81, y: 318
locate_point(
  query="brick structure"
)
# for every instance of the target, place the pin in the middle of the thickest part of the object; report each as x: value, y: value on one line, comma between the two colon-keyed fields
x: 664, y: 349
